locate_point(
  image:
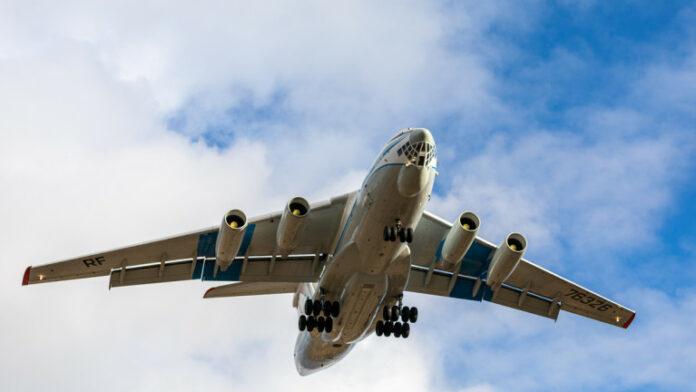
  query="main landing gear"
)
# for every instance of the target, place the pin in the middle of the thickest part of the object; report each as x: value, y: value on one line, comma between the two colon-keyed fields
x: 391, y: 233
x: 390, y: 320
x: 313, y: 315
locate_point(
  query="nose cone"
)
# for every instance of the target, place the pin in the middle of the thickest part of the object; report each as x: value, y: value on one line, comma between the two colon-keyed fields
x: 421, y: 135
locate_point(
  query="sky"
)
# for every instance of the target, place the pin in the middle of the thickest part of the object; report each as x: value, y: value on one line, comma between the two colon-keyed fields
x: 572, y: 122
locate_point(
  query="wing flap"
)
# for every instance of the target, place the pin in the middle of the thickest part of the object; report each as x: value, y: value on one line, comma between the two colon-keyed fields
x: 155, y: 273
x: 250, y: 288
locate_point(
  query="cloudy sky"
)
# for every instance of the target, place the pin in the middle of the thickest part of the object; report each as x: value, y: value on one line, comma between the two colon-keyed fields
x: 572, y: 122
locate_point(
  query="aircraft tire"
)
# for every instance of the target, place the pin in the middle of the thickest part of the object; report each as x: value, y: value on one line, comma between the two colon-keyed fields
x: 402, y: 235
x: 385, y: 313
x: 388, y: 328
x: 405, y: 313
x: 327, y: 305
x: 379, y: 328
x: 392, y: 234
x: 316, y: 307
x: 302, y: 322
x: 308, y: 307
x: 320, y: 324
x: 328, y: 325
x: 413, y: 315
x: 311, y: 323
x: 405, y: 330
x: 396, y: 329
x: 394, y: 313
x: 335, y: 308
x: 409, y: 235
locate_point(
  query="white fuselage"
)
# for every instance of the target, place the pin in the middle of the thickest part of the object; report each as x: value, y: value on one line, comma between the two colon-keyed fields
x: 365, y: 272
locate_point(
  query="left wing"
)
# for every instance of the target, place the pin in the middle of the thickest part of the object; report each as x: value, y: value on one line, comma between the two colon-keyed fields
x: 192, y: 255
x: 530, y: 287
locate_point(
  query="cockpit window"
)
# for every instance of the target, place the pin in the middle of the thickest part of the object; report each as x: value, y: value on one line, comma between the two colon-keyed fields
x: 419, y: 154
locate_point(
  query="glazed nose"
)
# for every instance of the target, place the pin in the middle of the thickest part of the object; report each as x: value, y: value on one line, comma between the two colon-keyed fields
x: 421, y: 135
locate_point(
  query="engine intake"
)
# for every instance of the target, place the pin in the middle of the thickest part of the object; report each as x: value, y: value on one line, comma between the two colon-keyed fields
x: 460, y: 237
x: 229, y: 239
x: 505, y: 259
x: 290, y: 224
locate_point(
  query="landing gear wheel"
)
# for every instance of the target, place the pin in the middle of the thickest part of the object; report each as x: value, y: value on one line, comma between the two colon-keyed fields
x: 320, y: 324
x: 385, y: 314
x: 326, y: 307
x: 413, y: 315
x: 328, y: 325
x: 405, y: 313
x: 303, y: 322
x: 311, y: 323
x: 405, y: 330
x: 392, y: 234
x: 308, y: 307
x: 394, y: 313
x: 335, y: 308
x: 402, y: 235
x: 409, y: 235
x: 316, y: 308
x: 388, y: 328
x: 397, y: 329
x: 379, y: 328
x: 386, y: 233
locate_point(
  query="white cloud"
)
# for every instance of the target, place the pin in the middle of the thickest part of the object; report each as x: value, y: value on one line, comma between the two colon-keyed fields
x: 87, y: 164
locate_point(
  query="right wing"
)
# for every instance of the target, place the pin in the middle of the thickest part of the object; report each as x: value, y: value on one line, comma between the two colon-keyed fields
x: 529, y: 287
x: 192, y: 255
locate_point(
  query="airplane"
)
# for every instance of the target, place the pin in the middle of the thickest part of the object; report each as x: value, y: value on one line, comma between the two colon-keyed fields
x: 350, y: 260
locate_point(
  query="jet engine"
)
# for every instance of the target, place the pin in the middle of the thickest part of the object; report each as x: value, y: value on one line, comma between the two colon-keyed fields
x: 505, y: 259
x: 460, y: 237
x: 290, y: 224
x: 229, y: 239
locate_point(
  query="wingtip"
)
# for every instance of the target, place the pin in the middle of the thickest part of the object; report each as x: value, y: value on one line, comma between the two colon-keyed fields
x: 207, y: 292
x: 25, y: 278
x: 630, y: 320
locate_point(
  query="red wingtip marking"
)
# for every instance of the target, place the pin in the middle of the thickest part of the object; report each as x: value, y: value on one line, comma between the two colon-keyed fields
x: 630, y: 320
x: 207, y: 291
x: 25, y: 279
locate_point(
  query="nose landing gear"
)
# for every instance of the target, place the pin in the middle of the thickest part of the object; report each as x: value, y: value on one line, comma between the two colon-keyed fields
x: 391, y: 233
x: 319, y: 314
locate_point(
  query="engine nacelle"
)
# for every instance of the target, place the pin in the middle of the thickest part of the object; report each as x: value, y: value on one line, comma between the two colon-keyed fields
x: 505, y: 259
x: 460, y: 237
x: 229, y: 239
x: 290, y: 224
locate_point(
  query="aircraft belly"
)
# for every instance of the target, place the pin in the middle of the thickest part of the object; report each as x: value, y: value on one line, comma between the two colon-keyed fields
x: 365, y: 269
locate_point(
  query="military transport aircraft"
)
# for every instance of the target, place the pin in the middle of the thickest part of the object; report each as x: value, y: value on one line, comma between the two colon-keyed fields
x: 350, y: 260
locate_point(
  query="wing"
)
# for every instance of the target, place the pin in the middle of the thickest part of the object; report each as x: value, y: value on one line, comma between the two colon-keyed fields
x: 530, y: 287
x: 192, y: 255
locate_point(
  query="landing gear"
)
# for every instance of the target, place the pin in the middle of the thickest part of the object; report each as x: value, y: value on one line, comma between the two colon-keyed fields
x: 319, y: 314
x: 391, y: 233
x: 390, y: 323
x: 303, y: 322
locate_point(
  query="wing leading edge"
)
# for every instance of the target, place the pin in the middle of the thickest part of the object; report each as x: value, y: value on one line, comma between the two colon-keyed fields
x: 530, y: 287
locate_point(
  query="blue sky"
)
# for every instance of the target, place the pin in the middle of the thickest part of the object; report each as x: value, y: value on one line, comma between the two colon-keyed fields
x: 572, y: 122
